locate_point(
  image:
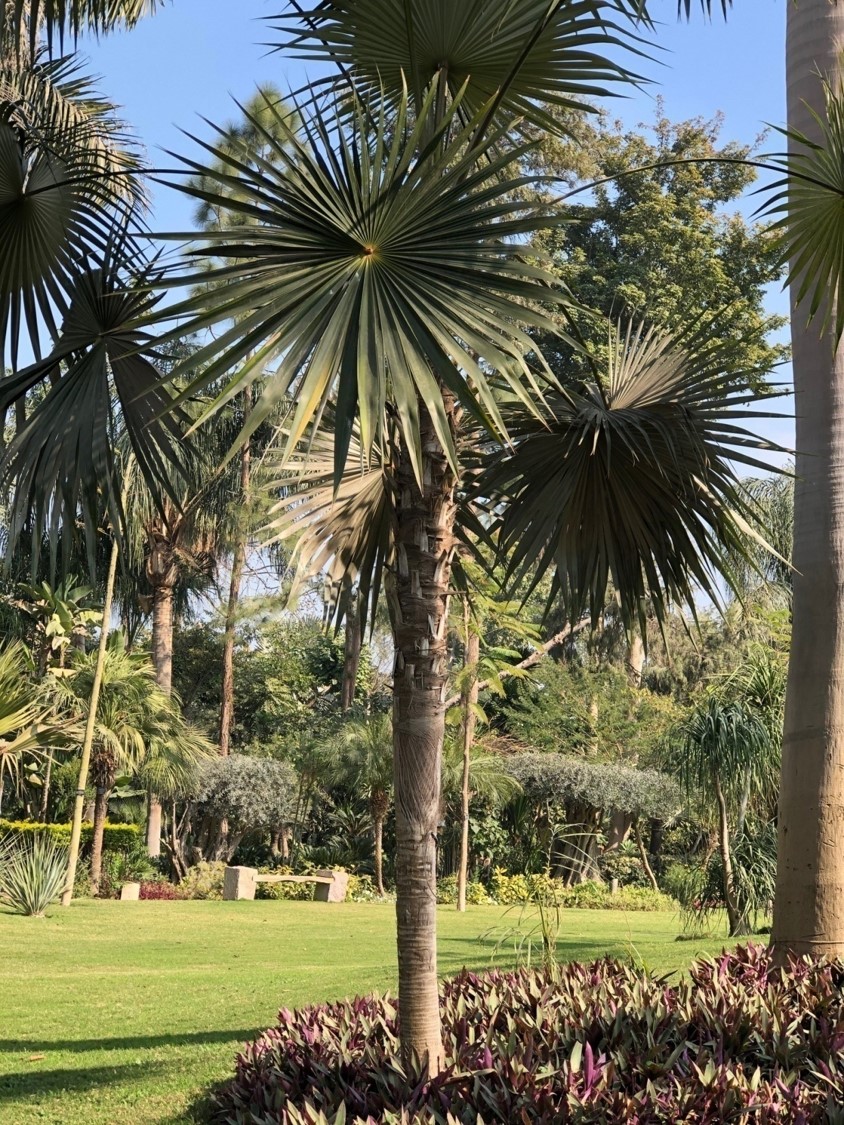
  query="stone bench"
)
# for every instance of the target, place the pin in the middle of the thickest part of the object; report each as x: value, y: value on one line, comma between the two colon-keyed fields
x: 241, y: 882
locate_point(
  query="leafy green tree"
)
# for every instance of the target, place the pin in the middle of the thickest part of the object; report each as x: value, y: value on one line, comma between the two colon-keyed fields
x: 664, y: 242
x: 368, y: 765
x: 138, y: 727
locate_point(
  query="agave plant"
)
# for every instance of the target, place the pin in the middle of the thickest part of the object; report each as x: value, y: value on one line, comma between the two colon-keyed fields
x: 32, y: 873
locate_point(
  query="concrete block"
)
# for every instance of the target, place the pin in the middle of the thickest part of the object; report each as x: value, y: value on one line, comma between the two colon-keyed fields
x: 335, y: 891
x: 239, y: 882
x: 130, y: 892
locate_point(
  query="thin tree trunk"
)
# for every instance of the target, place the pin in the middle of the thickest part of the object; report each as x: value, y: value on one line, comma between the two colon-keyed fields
x: 100, y: 813
x: 534, y: 658
x: 733, y: 915
x: 238, y: 564
x: 636, y: 658
x: 743, y: 804
x: 351, y: 655
x: 643, y: 855
x: 88, y: 740
x: 162, y: 659
x: 809, y: 904
x: 379, y: 855
x: 470, y: 700
x: 419, y: 609
x: 45, y: 792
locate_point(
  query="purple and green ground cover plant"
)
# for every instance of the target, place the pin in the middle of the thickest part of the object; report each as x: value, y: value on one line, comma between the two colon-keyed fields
x: 740, y: 1039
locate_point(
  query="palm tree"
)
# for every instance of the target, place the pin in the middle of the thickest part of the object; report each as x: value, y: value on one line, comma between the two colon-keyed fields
x: 25, y: 720
x: 719, y: 749
x: 368, y: 764
x: 139, y: 728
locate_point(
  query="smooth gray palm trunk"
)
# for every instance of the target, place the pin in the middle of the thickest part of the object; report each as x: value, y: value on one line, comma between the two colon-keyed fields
x: 809, y: 905
x: 419, y: 610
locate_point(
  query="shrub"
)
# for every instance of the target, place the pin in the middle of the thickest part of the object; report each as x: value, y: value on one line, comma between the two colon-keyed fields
x: 514, y: 890
x: 739, y: 1040
x: 32, y: 873
x: 116, y: 837
x: 158, y: 890
x: 476, y: 893
x: 205, y: 880
x: 298, y: 892
x: 130, y: 866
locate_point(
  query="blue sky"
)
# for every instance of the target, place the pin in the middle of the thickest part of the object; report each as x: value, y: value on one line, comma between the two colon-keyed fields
x: 195, y: 56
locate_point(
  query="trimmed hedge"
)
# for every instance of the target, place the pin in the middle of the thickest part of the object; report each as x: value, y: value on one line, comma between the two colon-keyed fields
x: 116, y: 837
x: 739, y: 1040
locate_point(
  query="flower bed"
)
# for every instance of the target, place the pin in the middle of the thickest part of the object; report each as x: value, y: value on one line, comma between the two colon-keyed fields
x: 739, y: 1040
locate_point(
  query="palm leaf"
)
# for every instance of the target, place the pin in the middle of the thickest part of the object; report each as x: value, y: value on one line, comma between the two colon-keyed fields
x: 384, y: 268
x: 807, y: 203
x: 67, y: 169
x: 72, y: 17
x: 517, y: 57
x: 634, y: 479
x: 103, y: 389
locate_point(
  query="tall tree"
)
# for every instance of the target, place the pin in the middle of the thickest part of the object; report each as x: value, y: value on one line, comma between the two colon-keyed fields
x: 809, y: 904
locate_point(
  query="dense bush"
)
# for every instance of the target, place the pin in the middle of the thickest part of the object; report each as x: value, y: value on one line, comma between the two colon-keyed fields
x: 158, y: 890
x: 204, y: 880
x: 512, y: 890
x: 739, y: 1040
x: 116, y: 837
x: 476, y: 893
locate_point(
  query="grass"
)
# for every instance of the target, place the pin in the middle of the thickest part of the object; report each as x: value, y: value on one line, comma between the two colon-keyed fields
x: 127, y: 1012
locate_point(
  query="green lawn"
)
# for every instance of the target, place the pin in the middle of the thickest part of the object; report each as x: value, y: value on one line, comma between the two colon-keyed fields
x: 126, y: 1012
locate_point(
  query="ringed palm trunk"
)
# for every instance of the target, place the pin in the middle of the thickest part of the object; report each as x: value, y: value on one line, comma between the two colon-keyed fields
x: 470, y: 699
x: 419, y: 611
x: 809, y: 903
x: 378, y: 807
x: 162, y: 659
x: 100, y: 814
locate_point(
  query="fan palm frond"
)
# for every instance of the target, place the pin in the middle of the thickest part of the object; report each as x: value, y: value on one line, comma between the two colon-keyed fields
x: 515, y: 58
x: 634, y: 480
x: 68, y: 169
x: 384, y: 265
x: 104, y: 387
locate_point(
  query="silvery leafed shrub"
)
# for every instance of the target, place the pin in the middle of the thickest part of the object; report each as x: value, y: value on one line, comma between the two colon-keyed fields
x: 32, y: 873
x: 738, y: 1041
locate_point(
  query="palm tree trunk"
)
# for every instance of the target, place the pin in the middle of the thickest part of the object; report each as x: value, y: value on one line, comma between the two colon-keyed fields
x: 470, y: 701
x: 88, y: 740
x: 809, y: 904
x: 419, y: 609
x: 351, y: 655
x: 733, y: 916
x: 100, y: 813
x: 379, y: 855
x: 162, y: 659
x: 238, y: 564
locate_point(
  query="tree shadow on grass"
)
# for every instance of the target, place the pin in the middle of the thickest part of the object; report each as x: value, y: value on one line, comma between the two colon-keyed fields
x: 65, y: 1080
x: 130, y: 1042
